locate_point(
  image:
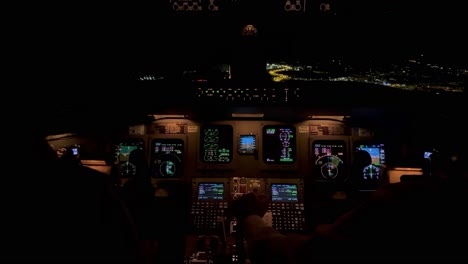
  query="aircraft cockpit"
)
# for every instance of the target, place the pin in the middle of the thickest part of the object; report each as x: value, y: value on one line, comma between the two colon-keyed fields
x: 209, y: 102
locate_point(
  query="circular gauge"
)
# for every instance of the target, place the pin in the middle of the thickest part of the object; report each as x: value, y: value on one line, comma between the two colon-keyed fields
x: 284, y: 136
x: 371, y: 172
x: 128, y: 169
x: 210, y: 146
x: 209, y: 157
x: 329, y: 170
x: 167, y: 168
x: 211, y: 139
x: 329, y: 166
x: 211, y: 132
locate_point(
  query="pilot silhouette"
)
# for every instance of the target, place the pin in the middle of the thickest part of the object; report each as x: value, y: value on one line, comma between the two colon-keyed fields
x: 63, y: 211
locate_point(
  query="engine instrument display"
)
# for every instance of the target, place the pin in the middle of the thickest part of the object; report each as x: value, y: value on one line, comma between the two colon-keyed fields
x: 216, y: 144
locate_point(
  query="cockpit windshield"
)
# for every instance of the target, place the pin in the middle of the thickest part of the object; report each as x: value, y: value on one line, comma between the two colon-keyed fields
x: 404, y: 45
x: 383, y: 46
x: 145, y: 124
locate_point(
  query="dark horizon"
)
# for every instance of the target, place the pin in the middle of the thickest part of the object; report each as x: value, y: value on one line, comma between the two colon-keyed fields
x: 113, y: 41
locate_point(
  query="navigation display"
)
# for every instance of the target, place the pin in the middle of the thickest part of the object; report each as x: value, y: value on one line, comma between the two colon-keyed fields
x: 284, y: 193
x: 210, y: 191
x: 216, y: 144
x: 377, y: 153
x: 279, y: 144
x: 329, y: 157
x: 167, y: 158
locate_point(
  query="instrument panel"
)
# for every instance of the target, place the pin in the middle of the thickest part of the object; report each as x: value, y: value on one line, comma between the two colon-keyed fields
x: 264, y: 149
x: 229, y: 158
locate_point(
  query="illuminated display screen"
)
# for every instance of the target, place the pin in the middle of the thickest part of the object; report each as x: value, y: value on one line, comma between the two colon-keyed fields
x: 427, y: 154
x: 284, y: 193
x: 247, y: 144
x: 210, y: 191
x: 329, y: 157
x: 279, y: 144
x: 216, y: 144
x: 69, y: 151
x: 123, y: 149
x: 123, y: 152
x: 377, y: 153
x: 167, y: 158
x: 75, y: 151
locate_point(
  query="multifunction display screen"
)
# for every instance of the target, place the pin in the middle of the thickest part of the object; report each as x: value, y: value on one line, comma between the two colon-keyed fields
x: 167, y: 158
x: 377, y: 153
x: 329, y: 157
x: 216, y: 144
x: 279, y: 144
x: 284, y: 193
x: 247, y: 144
x: 210, y: 191
x: 123, y: 154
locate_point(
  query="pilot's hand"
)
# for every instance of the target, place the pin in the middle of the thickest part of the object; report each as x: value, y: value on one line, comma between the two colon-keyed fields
x: 250, y: 204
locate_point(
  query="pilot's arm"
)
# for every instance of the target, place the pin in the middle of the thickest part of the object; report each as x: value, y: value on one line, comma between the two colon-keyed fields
x: 265, y: 244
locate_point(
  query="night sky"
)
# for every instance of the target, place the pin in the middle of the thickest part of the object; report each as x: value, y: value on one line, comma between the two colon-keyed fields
x: 155, y: 34
x: 110, y: 41
x: 90, y: 51
x: 384, y: 29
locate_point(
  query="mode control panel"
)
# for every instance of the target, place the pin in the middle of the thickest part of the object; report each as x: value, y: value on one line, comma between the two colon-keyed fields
x: 210, y: 204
